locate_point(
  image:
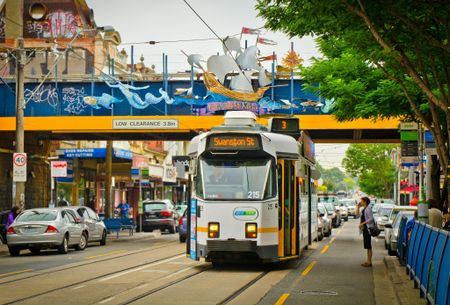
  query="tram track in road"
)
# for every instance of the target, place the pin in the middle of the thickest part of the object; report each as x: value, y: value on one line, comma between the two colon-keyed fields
x: 90, y: 262
x: 228, y: 299
x: 78, y: 284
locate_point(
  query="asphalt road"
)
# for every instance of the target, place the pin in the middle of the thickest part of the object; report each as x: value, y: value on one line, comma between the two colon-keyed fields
x: 155, y: 270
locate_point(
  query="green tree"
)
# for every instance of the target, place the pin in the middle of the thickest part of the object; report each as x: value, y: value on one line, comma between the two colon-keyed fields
x: 372, y: 164
x: 382, y: 58
x: 335, y: 179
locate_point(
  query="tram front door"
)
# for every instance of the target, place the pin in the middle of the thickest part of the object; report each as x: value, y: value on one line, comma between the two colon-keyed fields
x: 287, y: 209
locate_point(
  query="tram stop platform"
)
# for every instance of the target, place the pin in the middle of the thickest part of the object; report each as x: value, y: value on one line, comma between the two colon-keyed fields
x: 330, y: 273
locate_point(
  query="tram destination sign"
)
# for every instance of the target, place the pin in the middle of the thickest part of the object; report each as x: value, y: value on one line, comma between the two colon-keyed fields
x: 234, y: 142
x: 145, y: 124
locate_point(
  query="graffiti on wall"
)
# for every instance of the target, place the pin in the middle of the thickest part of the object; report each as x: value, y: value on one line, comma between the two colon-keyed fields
x: 57, y: 24
x: 73, y: 100
x: 45, y: 94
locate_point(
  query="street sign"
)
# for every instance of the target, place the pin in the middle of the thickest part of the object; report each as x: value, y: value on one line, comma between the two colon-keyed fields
x: 410, y: 149
x: 145, y: 124
x: 58, y: 169
x: 409, y: 126
x: 20, y: 167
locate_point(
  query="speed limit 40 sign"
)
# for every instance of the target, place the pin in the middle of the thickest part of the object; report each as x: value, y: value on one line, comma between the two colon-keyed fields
x: 20, y: 167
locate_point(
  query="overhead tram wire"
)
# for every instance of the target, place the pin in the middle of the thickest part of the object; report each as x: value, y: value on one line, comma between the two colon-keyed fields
x: 218, y: 37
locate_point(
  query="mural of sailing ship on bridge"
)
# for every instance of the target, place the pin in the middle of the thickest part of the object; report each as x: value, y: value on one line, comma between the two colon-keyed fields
x: 235, y: 80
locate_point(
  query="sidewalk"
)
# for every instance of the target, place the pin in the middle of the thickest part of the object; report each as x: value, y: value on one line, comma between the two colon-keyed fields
x: 404, y: 289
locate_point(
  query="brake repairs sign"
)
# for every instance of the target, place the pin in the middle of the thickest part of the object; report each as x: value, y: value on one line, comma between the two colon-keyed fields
x: 145, y: 124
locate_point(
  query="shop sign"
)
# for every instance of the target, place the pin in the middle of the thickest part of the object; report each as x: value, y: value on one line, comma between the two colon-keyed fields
x: 134, y: 173
x: 58, y: 168
x: 122, y: 153
x: 170, y: 174
x: 140, y: 161
x: 156, y: 171
x: 153, y: 146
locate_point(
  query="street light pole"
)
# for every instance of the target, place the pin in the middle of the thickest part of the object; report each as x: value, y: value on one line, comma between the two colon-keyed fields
x: 20, y: 63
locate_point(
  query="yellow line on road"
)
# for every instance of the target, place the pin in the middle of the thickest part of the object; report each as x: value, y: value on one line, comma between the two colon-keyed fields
x: 324, y: 249
x: 106, y: 254
x: 332, y: 240
x: 282, y: 299
x: 310, y: 266
x: 16, y: 272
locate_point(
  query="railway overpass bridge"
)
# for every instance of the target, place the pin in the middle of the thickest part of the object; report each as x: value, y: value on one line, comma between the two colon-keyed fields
x: 144, y: 111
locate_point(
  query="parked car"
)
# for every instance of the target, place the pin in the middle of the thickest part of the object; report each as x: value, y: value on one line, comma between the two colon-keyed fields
x: 344, y: 211
x: 44, y: 228
x: 351, y: 206
x: 382, y: 217
x: 392, y: 230
x: 97, y: 229
x: 334, y: 213
x: 322, y: 212
x: 181, y: 208
x: 159, y: 214
x: 3, y: 220
x: 320, y: 228
x: 182, y: 227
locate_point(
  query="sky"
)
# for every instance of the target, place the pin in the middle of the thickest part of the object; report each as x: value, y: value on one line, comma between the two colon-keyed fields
x: 145, y: 20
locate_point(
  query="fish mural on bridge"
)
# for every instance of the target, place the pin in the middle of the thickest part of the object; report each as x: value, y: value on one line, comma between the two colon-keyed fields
x: 106, y: 101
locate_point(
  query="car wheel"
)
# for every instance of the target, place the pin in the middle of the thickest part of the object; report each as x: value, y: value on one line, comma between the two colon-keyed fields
x: 346, y: 218
x: 182, y: 239
x: 103, y: 240
x: 385, y: 245
x: 172, y: 229
x: 64, y: 247
x: 35, y: 250
x: 391, y: 252
x: 83, y: 242
x: 14, y: 251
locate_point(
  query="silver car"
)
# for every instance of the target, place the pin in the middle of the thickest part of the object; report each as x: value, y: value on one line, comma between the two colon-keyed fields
x: 44, y: 228
x: 96, y: 227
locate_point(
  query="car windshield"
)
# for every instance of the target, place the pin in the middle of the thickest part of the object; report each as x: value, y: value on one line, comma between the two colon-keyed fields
x: 348, y: 203
x: 330, y: 207
x: 181, y: 209
x: 327, y: 199
x: 322, y: 210
x: 37, y: 216
x: 154, y: 206
x: 236, y: 179
x: 397, y: 220
x: 384, y: 212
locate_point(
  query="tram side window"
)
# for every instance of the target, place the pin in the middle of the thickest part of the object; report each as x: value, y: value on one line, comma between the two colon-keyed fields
x: 199, y: 183
x: 271, y: 187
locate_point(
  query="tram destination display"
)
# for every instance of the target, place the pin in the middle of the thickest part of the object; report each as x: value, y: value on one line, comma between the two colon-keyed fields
x: 234, y: 142
x: 288, y: 126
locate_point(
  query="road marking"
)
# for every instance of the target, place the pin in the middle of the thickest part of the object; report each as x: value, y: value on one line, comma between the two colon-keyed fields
x: 78, y: 287
x: 106, y: 300
x: 106, y: 254
x: 178, y: 272
x: 16, y: 272
x: 156, y: 271
x: 332, y: 240
x: 282, y: 299
x: 324, y: 249
x: 180, y: 263
x: 310, y: 266
x: 140, y: 268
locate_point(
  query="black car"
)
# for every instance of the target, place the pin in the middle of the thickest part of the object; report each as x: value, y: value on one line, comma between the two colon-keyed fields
x: 159, y: 214
x: 3, y: 220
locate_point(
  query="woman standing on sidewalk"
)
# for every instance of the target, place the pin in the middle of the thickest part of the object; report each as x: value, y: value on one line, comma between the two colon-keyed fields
x: 366, y: 223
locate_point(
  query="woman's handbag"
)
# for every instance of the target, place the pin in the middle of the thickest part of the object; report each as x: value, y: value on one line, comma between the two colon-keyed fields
x: 374, y: 231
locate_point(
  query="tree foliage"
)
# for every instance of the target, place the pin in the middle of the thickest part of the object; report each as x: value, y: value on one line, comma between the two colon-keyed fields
x: 372, y: 164
x: 381, y: 58
x: 335, y: 179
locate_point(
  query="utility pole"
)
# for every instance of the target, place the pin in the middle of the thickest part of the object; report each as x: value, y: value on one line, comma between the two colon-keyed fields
x: 108, y: 177
x: 20, y: 63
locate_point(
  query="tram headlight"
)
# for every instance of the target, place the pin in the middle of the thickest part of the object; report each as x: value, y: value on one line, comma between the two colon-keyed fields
x: 213, y: 229
x: 251, y: 230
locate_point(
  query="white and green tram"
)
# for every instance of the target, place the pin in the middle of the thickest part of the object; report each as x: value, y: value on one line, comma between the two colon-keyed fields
x: 252, y: 196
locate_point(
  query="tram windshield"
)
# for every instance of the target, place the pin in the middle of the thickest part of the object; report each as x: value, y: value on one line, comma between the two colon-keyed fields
x: 236, y: 179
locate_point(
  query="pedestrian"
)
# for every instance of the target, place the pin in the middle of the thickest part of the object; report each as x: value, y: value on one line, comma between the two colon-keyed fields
x: 12, y: 215
x: 91, y: 203
x: 124, y: 207
x: 366, y: 223
x: 434, y: 214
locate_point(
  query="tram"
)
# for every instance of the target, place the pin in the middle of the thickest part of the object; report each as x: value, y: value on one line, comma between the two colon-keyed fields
x: 252, y: 196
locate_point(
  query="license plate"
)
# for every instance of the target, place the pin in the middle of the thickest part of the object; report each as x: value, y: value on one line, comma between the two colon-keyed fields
x: 30, y: 231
